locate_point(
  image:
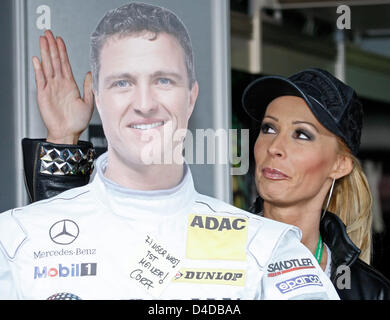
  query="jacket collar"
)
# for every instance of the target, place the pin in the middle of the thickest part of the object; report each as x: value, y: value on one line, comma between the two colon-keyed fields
x: 148, y: 205
x: 334, y: 234
x: 257, y: 206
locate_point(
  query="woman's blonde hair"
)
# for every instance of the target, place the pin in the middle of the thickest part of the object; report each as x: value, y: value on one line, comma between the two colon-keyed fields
x: 351, y: 201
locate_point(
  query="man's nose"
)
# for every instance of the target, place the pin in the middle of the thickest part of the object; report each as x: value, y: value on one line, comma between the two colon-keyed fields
x: 145, y: 101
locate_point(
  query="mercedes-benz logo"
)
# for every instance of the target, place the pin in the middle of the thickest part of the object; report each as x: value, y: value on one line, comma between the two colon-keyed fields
x: 64, y: 232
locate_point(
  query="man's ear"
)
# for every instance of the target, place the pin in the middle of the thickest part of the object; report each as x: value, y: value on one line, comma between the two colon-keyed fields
x: 97, y: 100
x: 193, y: 96
x: 343, y: 166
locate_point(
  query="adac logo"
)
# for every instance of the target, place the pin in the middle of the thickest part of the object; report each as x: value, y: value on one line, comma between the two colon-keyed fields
x: 211, y: 276
x: 64, y: 232
x: 218, y: 223
x: 215, y: 237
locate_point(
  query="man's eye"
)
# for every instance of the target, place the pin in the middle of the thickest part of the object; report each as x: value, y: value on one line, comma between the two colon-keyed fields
x: 267, y: 129
x: 164, y: 81
x: 121, y: 84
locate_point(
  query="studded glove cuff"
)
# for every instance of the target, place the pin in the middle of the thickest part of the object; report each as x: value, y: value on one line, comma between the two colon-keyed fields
x: 53, y: 168
x: 66, y: 159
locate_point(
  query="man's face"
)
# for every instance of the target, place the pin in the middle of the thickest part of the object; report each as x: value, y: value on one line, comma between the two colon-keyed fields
x: 143, y: 91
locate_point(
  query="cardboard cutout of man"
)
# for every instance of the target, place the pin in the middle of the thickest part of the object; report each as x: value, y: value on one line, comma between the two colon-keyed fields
x: 141, y: 231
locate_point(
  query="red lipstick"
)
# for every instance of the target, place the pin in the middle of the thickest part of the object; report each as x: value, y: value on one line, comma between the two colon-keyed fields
x: 274, y: 174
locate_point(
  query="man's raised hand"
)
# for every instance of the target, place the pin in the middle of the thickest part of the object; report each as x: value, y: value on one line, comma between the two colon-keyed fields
x: 64, y: 112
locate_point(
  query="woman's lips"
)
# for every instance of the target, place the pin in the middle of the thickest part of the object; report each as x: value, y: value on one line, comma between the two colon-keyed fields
x: 274, y: 174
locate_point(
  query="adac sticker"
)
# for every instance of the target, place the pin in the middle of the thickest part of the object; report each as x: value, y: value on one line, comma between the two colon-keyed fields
x: 211, y: 276
x: 216, y: 237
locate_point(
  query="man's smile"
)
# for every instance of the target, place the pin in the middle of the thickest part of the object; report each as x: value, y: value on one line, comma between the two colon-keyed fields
x: 147, y: 126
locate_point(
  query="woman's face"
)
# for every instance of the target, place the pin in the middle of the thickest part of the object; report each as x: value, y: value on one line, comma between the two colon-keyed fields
x: 296, y: 157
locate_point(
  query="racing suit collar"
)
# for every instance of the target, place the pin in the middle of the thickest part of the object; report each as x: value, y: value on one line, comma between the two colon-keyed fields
x: 155, y: 203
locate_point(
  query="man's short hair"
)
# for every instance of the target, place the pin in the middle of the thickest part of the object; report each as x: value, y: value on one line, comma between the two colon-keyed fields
x: 135, y: 18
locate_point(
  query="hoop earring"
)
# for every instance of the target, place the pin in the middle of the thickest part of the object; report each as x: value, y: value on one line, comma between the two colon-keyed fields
x: 330, y: 195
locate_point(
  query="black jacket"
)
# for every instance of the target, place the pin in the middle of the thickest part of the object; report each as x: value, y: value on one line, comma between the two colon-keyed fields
x: 365, y: 282
x: 353, y: 278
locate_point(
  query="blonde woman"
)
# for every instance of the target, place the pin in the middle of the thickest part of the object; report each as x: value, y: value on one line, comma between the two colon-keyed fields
x: 307, y: 173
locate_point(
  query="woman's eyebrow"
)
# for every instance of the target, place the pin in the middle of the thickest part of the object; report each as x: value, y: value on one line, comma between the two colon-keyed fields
x: 309, y: 123
x: 267, y: 116
x: 294, y: 122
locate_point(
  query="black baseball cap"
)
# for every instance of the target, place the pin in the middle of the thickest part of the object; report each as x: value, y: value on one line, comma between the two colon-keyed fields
x: 334, y: 104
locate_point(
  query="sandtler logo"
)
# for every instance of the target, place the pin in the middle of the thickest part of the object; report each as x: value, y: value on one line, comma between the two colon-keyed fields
x: 281, y: 267
x: 74, y: 270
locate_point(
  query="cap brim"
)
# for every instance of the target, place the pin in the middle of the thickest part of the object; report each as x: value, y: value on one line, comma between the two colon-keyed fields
x: 260, y: 93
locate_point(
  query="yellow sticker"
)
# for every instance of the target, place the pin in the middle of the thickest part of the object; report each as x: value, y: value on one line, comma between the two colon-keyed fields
x: 211, y: 276
x: 216, y: 237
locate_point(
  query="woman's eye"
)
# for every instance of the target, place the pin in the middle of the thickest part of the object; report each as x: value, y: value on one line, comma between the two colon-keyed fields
x: 121, y: 84
x: 267, y: 129
x: 304, y: 135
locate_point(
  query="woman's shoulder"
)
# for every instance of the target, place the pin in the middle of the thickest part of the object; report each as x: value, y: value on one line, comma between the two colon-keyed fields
x: 370, y: 273
x: 367, y: 283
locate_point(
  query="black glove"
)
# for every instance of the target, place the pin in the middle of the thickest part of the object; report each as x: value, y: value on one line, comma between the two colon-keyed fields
x: 50, y: 168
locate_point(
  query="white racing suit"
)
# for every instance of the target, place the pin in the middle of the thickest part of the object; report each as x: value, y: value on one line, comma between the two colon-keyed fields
x: 103, y: 241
